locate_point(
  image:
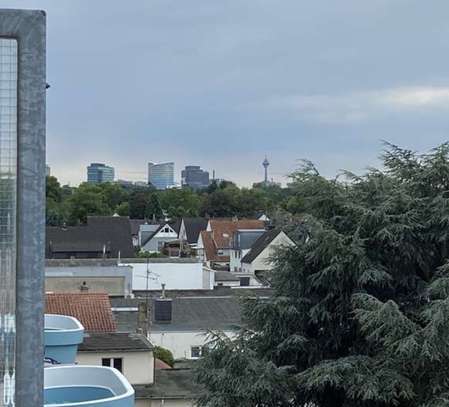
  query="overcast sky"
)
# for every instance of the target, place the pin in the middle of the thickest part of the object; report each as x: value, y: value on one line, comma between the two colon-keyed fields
x: 222, y: 83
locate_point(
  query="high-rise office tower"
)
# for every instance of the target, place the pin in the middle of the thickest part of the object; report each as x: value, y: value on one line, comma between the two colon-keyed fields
x: 162, y: 175
x: 194, y: 177
x: 98, y: 173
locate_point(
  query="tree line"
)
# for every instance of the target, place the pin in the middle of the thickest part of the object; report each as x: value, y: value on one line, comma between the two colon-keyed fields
x: 71, y: 205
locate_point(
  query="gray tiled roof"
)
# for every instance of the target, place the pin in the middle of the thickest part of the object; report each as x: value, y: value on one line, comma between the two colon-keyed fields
x: 188, y: 314
x: 114, y: 341
x: 170, y: 384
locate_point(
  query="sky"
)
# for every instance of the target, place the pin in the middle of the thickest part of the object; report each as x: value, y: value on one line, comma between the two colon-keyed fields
x: 222, y: 83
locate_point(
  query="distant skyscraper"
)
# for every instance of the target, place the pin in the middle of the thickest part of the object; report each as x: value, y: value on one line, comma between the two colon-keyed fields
x: 265, y: 166
x: 194, y: 177
x: 161, y: 176
x: 47, y: 170
x: 98, y: 173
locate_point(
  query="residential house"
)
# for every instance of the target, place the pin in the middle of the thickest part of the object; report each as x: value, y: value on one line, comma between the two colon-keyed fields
x: 241, y: 245
x: 135, y: 230
x: 101, y: 237
x: 129, y: 353
x: 258, y: 260
x: 181, y: 323
x: 215, y: 244
x: 190, y: 230
x: 146, y: 230
x: 165, y: 233
x: 93, y: 310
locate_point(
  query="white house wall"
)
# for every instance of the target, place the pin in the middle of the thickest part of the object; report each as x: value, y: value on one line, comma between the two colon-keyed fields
x: 175, y: 276
x: 138, y: 367
x: 180, y: 343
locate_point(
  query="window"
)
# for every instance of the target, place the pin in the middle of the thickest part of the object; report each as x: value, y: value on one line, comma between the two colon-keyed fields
x: 116, y: 363
x: 244, y: 281
x: 196, y: 352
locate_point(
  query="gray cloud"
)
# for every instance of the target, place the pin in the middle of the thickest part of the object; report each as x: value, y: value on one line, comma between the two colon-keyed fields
x: 222, y: 83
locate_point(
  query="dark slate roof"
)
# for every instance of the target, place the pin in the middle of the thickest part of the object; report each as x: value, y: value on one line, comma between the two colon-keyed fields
x: 225, y: 276
x: 260, y: 245
x: 170, y: 384
x: 244, y: 240
x: 114, y: 341
x: 111, y: 232
x: 194, y: 226
x: 176, y: 225
x: 188, y: 314
x: 135, y: 225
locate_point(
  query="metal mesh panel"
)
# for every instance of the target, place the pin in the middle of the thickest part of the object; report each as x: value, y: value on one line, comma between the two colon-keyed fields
x: 8, y: 204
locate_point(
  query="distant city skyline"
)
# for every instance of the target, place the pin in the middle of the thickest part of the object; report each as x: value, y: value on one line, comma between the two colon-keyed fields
x: 224, y: 83
x: 140, y: 177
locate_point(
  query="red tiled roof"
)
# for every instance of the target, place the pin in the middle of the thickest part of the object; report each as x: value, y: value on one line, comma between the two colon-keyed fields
x: 223, y: 230
x: 93, y: 310
x: 210, y: 249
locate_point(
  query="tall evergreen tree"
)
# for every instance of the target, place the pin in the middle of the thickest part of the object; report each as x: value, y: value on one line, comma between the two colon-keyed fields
x: 360, y: 314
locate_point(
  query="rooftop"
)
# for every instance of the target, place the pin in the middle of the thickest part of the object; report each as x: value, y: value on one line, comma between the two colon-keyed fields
x: 260, y: 245
x: 225, y: 276
x: 114, y: 341
x: 223, y: 230
x: 93, y: 310
x: 170, y: 384
x: 193, y: 227
x: 111, y: 234
x: 188, y: 314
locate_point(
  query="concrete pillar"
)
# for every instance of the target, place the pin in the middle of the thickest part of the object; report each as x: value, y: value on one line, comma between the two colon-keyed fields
x: 28, y: 28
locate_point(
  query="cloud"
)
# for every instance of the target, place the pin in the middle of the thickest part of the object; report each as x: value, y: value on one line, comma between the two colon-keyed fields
x: 361, y: 106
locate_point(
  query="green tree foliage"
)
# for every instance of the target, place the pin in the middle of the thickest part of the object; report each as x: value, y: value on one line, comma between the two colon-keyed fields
x: 180, y: 202
x: 73, y: 205
x: 360, y: 315
x: 164, y: 354
x: 88, y: 200
x: 56, y: 210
